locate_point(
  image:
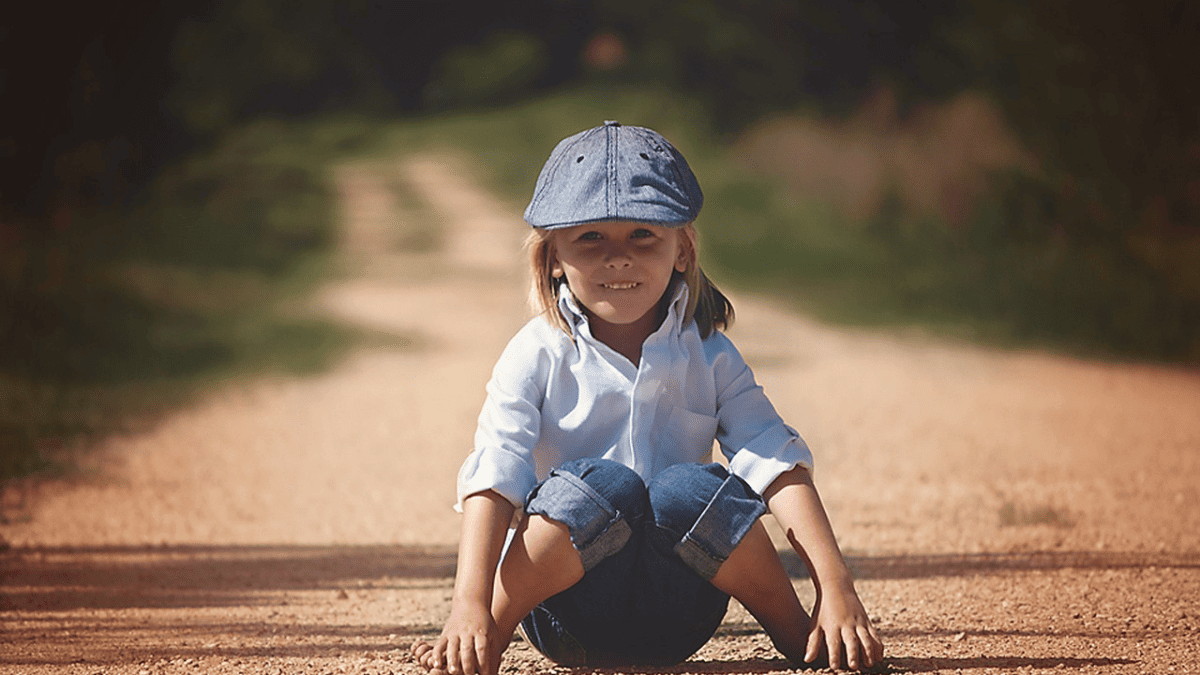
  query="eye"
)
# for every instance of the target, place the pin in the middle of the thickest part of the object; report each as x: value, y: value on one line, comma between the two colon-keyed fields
x: 590, y: 235
x: 641, y: 233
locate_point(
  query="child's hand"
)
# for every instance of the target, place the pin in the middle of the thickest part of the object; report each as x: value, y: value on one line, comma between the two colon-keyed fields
x: 469, y: 644
x: 840, y: 623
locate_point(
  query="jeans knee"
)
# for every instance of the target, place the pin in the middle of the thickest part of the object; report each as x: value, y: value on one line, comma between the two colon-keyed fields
x: 602, y: 504
x: 620, y: 485
x: 680, y: 493
x: 702, y: 513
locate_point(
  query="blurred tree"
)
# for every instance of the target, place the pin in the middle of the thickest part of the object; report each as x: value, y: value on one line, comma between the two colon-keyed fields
x: 84, y: 87
x: 749, y: 57
x: 504, y: 66
x: 1105, y: 94
x: 250, y: 57
x: 155, y: 79
x: 246, y: 58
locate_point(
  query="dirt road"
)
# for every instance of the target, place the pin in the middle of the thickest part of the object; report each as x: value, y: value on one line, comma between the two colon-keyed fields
x: 1003, y: 512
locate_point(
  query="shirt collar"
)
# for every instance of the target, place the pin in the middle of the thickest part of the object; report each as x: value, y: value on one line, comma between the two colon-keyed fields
x: 569, y: 306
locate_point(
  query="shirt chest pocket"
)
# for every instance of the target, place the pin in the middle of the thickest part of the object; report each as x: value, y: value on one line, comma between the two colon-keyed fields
x: 691, y: 435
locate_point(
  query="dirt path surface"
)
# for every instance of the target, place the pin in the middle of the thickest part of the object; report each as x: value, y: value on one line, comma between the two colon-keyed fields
x: 1003, y: 512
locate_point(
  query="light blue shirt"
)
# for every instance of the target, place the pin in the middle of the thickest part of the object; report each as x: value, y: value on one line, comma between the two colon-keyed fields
x: 555, y: 397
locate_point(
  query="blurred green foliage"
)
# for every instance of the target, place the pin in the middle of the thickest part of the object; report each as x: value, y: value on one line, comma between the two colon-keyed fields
x: 1009, y: 277
x: 504, y: 66
x: 1097, y: 246
x: 259, y: 200
x: 248, y: 57
x: 984, y: 282
x: 746, y: 58
x: 127, y: 313
x: 1103, y: 94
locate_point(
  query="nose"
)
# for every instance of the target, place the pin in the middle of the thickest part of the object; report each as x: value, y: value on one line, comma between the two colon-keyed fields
x: 616, y: 256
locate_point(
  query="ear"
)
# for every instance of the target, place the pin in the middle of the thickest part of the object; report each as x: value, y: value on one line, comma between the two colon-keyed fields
x: 687, y: 250
x: 556, y: 268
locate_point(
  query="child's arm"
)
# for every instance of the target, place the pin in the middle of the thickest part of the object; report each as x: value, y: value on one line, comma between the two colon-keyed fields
x: 470, y: 642
x: 838, y: 617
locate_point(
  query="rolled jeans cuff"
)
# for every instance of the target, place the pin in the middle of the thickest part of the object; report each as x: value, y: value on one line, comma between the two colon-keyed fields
x: 597, y: 529
x: 722, y: 525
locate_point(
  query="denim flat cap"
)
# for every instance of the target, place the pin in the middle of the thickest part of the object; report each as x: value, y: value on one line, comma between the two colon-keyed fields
x: 614, y: 172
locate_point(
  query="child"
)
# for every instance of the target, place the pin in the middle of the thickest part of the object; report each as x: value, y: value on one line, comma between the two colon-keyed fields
x: 597, y: 433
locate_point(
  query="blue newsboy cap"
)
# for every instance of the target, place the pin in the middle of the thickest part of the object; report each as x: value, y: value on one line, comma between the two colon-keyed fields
x: 614, y: 172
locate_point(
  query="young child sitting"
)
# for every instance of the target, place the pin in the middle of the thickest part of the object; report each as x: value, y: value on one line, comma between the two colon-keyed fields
x: 597, y: 433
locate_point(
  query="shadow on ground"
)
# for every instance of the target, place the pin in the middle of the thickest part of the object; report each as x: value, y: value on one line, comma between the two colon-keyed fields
x: 122, y: 577
x: 119, y: 577
x: 970, y: 564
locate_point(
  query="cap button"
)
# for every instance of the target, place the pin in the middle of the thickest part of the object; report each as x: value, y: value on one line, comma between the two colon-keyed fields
x: 611, y: 123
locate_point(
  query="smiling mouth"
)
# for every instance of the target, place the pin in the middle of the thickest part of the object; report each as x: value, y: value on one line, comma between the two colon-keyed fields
x: 617, y: 286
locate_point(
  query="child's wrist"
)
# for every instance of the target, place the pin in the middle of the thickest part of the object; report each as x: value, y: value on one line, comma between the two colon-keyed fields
x: 838, y: 578
x: 469, y: 604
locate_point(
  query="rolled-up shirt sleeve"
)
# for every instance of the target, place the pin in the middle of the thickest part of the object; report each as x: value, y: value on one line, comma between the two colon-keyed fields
x: 752, y: 435
x: 509, y: 425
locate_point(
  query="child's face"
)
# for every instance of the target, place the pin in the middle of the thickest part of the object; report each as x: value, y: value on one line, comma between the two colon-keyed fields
x: 619, y: 270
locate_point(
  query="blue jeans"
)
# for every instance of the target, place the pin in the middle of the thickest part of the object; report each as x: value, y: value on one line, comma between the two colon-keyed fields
x: 648, y: 554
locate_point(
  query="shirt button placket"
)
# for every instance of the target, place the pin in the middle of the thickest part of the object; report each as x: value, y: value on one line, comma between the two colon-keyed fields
x: 644, y: 390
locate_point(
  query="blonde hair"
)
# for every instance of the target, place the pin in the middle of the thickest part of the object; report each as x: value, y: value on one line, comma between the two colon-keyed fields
x: 706, y: 304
